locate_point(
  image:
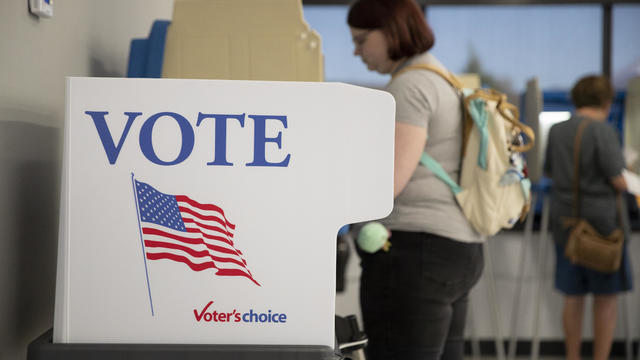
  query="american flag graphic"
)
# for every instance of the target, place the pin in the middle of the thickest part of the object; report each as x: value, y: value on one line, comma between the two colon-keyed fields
x: 178, y: 228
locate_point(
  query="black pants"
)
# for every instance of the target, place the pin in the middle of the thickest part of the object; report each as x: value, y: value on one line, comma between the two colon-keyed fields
x: 414, y: 297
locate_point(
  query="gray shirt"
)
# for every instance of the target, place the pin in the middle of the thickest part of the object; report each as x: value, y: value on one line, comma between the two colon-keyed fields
x: 600, y: 159
x: 426, y: 204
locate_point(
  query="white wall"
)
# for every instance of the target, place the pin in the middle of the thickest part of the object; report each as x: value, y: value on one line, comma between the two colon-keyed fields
x: 84, y: 38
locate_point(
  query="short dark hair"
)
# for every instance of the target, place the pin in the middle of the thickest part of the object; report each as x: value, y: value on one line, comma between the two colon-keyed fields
x: 401, y: 21
x: 592, y: 91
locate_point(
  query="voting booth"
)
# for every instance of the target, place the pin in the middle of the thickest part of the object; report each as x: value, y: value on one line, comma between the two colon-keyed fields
x: 205, y: 211
x: 632, y: 125
x: 249, y: 40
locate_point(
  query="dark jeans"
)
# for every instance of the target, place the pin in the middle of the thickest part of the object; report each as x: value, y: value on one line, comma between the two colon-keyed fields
x: 414, y: 297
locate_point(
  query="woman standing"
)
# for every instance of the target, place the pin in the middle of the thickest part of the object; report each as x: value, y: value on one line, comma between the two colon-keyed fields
x: 414, y: 297
x: 601, y: 164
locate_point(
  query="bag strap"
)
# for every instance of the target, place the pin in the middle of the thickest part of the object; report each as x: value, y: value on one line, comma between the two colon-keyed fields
x: 575, y: 203
x: 576, y: 175
x: 467, y: 122
x: 433, y: 165
x: 508, y: 111
x: 451, y: 79
x: 426, y: 160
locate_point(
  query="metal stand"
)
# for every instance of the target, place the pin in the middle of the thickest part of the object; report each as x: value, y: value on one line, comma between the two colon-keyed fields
x: 541, y: 261
x: 350, y: 339
x: 491, y: 284
x: 528, y: 234
x: 541, y: 265
x: 628, y: 346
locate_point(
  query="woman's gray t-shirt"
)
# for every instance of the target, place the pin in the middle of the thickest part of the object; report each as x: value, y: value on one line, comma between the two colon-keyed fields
x: 600, y: 159
x: 426, y: 204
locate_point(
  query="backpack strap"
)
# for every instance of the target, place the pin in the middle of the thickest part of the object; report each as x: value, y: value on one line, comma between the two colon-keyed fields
x: 508, y: 111
x: 467, y: 122
x: 451, y: 79
x: 431, y: 164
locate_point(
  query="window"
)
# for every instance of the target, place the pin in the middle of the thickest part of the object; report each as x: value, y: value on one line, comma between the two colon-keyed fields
x: 508, y: 45
x: 339, y: 62
x: 625, y: 59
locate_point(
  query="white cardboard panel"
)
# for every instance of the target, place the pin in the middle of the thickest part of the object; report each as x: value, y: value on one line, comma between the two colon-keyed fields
x: 339, y: 142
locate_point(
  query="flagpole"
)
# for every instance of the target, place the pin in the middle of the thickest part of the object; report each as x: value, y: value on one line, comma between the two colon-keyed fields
x: 144, y: 257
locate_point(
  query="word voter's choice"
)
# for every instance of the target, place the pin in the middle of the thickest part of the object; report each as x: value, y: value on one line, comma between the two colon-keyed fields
x: 187, y: 136
x: 248, y: 317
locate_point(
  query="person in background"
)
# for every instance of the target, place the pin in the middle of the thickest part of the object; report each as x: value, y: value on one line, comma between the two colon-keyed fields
x: 601, y: 165
x: 414, y: 296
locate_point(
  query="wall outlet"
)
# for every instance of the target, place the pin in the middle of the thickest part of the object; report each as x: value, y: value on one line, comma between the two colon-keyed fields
x: 41, y: 8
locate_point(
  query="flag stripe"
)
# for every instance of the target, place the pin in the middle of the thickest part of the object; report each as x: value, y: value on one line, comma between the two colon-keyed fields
x: 212, y: 237
x: 184, y: 209
x: 195, y: 247
x: 195, y: 234
x: 186, y: 199
x: 234, y: 272
x: 182, y: 259
x: 152, y: 231
x: 205, y: 216
x: 212, y: 228
x: 192, y: 252
x: 197, y: 260
x: 200, y: 267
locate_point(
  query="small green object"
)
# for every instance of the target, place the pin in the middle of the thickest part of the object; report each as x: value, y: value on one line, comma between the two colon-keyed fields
x: 372, y: 237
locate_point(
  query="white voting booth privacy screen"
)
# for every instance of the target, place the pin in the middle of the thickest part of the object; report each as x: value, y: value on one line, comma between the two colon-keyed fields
x: 206, y: 211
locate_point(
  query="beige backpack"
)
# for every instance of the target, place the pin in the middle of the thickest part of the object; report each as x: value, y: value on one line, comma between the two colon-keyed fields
x: 494, y: 190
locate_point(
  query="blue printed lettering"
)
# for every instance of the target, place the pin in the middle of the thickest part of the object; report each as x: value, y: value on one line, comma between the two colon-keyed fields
x: 248, y: 317
x: 146, y: 133
x: 253, y: 316
x: 260, y: 140
x: 187, y: 137
x: 220, y: 144
x: 106, y: 138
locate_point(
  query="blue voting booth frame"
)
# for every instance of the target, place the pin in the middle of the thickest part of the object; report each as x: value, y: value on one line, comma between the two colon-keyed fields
x: 146, y: 55
x: 560, y: 101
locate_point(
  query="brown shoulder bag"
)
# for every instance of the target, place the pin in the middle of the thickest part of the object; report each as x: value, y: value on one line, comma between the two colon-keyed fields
x: 586, y: 246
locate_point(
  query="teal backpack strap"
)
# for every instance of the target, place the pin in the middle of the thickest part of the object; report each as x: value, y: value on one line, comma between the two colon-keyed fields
x: 477, y: 109
x: 435, y: 167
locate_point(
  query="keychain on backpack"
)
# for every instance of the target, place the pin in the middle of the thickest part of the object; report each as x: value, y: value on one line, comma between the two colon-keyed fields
x: 373, y: 237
